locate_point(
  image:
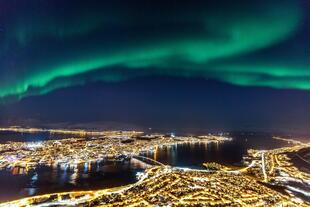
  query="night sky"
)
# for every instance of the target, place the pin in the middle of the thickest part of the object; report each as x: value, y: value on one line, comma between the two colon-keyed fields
x: 168, y: 64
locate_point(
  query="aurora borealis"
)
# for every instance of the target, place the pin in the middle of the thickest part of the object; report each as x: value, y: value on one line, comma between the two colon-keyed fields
x: 51, y: 44
x: 179, y: 71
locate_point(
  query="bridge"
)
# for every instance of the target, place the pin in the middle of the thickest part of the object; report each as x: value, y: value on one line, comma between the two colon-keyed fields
x: 147, y: 158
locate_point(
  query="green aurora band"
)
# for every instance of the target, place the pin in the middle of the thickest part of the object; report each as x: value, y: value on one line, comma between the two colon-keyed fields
x: 55, y: 51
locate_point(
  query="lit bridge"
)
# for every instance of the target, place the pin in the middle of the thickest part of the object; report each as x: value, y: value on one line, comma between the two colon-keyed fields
x: 139, y: 157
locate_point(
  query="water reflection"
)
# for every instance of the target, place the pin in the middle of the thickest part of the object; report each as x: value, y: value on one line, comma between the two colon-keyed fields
x: 17, y: 182
x: 20, y: 182
x: 194, y: 154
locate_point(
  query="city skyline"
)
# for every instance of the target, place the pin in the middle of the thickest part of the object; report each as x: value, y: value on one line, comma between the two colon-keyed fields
x: 155, y: 103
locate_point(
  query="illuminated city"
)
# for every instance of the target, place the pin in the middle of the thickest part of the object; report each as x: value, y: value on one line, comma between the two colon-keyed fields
x: 159, y: 103
x: 262, y: 181
x: 68, y: 153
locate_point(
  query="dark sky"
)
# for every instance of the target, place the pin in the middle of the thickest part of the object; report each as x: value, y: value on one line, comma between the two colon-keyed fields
x: 214, y: 65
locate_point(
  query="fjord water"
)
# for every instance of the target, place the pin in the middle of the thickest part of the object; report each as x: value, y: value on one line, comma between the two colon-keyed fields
x: 32, y: 137
x: 228, y: 153
x: 15, y: 183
